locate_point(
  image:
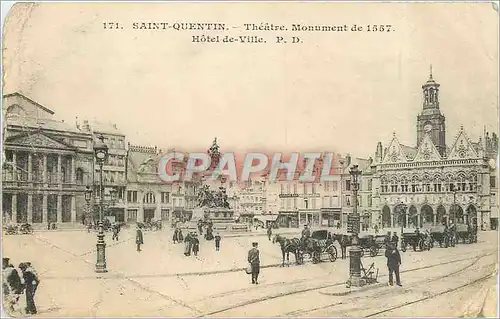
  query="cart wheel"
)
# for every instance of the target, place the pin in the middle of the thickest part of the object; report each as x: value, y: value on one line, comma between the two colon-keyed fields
x: 332, y: 254
x: 373, y: 251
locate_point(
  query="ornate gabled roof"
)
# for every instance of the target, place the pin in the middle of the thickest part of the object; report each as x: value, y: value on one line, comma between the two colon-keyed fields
x: 462, y: 147
x: 142, y: 161
x: 427, y: 151
x: 395, y: 152
x: 409, y: 151
x: 30, y: 101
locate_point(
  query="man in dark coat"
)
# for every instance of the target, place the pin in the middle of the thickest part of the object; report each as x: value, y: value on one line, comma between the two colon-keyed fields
x: 188, y: 244
x: 175, y: 238
x: 139, y: 239
x: 254, y: 261
x: 195, y: 243
x: 269, y: 232
x: 116, y: 230
x: 393, y: 263
x: 31, y: 282
x: 394, y: 239
x: 217, y: 242
x: 343, y: 246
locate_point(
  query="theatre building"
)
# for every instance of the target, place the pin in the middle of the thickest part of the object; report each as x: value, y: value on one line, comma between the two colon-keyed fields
x: 47, y: 164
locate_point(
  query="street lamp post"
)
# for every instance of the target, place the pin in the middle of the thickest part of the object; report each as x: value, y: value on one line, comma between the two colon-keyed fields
x: 101, y: 154
x: 355, y: 251
x: 454, y: 206
x: 402, y: 213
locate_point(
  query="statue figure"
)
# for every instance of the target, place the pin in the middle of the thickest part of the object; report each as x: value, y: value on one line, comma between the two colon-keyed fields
x: 146, y: 165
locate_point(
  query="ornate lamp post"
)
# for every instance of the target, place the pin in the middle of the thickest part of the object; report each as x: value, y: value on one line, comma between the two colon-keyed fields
x: 355, y: 251
x: 402, y: 213
x: 101, y: 155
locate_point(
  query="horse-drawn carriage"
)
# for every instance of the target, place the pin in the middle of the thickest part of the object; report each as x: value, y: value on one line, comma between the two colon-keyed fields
x: 369, y: 244
x: 151, y: 225
x: 317, y: 247
x: 466, y: 233
x: 441, y: 235
x: 322, y: 246
x: 419, y: 241
x: 23, y: 229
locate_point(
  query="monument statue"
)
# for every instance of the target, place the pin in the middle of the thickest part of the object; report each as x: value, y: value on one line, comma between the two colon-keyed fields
x: 208, y: 198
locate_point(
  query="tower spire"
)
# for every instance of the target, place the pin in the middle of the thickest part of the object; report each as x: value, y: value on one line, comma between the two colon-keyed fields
x: 430, y: 72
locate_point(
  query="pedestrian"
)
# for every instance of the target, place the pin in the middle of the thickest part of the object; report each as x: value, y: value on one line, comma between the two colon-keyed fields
x: 188, y: 245
x: 269, y: 232
x: 343, y: 246
x: 12, y: 286
x: 180, y: 236
x: 31, y: 283
x: 376, y: 229
x: 116, y: 230
x: 217, y: 242
x: 395, y: 239
x: 393, y: 263
x: 175, y: 237
x: 195, y: 243
x: 139, y: 238
x: 254, y: 261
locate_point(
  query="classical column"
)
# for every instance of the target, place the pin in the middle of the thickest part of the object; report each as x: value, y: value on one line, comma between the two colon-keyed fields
x: 59, y: 208
x: 73, y: 208
x: 392, y: 220
x: 44, y: 169
x: 14, y: 208
x: 407, y: 219
x: 418, y: 220
x: 30, y: 166
x: 434, y: 216
x: 158, y: 208
x: 44, y: 209
x: 59, y: 175
x: 30, y: 207
x: 140, y: 214
x: 73, y: 170
x: 14, y: 167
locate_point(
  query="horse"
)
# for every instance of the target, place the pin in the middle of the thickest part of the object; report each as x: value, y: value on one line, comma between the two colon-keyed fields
x: 288, y: 246
x: 344, y: 241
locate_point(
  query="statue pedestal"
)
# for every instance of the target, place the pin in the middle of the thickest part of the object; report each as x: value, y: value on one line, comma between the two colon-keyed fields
x: 222, y: 220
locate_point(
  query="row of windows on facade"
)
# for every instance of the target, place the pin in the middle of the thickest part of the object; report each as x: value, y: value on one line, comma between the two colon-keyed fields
x: 327, y: 201
x: 150, y: 198
x: 115, y: 160
x: 114, y: 142
x: 328, y: 186
x: 250, y: 199
x: 428, y: 186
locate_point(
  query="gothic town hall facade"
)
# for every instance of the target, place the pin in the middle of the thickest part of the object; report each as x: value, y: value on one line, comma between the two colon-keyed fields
x: 433, y: 182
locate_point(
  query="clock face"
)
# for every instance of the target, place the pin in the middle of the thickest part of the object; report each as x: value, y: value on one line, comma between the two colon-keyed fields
x: 427, y: 127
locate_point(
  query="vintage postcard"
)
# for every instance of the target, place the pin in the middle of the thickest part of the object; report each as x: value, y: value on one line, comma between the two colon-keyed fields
x: 250, y: 159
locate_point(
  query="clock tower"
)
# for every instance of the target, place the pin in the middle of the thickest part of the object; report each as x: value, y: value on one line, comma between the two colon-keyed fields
x: 430, y: 120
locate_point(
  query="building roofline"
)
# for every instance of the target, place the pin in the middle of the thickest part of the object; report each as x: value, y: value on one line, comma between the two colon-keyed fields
x: 29, y: 100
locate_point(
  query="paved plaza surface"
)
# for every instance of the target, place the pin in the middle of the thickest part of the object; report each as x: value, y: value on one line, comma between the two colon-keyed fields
x: 161, y: 281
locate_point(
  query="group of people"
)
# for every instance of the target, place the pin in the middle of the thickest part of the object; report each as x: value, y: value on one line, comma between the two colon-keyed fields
x: 15, y: 284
